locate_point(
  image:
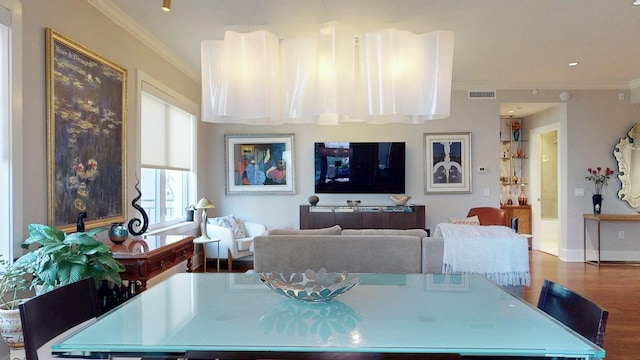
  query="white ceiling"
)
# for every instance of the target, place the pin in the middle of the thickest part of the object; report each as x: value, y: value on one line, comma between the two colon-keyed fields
x: 499, y: 44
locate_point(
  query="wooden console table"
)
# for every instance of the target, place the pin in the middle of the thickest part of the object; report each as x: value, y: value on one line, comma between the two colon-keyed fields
x: 599, y: 219
x: 364, y: 217
x: 148, y: 256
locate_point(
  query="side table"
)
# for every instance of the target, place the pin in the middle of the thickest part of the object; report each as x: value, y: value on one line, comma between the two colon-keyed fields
x: 200, y: 240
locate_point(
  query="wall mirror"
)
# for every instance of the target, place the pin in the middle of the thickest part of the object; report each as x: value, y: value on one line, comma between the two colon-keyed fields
x: 628, y: 156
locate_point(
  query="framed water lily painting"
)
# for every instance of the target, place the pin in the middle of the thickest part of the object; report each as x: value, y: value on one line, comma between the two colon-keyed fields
x: 260, y: 164
x: 86, y: 137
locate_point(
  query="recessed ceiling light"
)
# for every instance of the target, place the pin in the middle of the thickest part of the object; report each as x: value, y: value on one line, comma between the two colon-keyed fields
x: 635, y: 2
x: 511, y: 111
x: 575, y: 63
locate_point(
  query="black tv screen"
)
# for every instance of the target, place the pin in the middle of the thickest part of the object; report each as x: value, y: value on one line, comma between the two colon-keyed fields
x: 360, y: 167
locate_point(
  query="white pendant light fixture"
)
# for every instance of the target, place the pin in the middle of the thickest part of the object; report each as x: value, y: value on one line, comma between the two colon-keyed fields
x: 241, y: 78
x: 319, y: 76
x: 407, y: 76
x: 391, y: 76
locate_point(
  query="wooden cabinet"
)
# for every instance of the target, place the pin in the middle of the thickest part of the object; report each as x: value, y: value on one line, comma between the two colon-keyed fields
x: 149, y: 256
x: 523, y: 214
x: 365, y: 217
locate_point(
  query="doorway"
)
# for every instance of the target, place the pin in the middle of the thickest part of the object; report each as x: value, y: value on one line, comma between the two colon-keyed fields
x: 545, y: 190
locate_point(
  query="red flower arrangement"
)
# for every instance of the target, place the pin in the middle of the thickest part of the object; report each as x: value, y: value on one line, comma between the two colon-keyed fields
x: 599, y: 178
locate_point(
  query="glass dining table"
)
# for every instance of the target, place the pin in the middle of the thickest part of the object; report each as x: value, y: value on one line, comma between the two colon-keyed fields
x: 235, y: 315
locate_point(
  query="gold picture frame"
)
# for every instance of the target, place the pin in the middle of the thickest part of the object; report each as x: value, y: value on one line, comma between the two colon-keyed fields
x: 86, y: 135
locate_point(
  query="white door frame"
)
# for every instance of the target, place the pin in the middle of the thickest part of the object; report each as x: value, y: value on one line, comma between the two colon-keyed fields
x: 534, y: 190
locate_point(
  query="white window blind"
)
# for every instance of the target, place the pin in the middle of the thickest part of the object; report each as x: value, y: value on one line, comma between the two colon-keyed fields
x: 167, y: 131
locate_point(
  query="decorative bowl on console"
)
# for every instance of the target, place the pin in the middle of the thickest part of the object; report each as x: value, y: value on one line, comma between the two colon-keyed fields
x: 399, y: 200
x: 310, y: 285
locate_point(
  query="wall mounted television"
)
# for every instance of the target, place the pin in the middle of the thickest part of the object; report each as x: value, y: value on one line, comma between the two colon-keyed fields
x: 360, y: 167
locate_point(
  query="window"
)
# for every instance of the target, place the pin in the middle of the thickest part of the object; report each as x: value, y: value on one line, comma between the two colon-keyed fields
x: 5, y: 128
x: 167, y: 182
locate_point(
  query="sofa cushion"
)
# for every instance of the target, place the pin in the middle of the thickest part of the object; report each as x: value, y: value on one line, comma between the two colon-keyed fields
x: 421, y: 233
x: 244, y: 244
x: 334, y: 230
x: 471, y: 220
x: 229, y: 222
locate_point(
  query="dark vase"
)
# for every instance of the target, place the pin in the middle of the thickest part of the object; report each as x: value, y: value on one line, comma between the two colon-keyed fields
x: 597, y: 203
x: 516, y: 134
x: 118, y: 233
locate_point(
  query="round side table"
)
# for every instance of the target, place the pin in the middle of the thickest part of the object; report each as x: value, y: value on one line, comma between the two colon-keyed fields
x: 200, y: 240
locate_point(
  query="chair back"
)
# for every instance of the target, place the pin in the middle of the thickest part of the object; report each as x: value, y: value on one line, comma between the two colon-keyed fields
x: 572, y: 309
x: 50, y: 314
x: 490, y: 215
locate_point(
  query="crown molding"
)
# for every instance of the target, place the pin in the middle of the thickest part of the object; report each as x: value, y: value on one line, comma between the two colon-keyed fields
x: 634, y: 84
x: 130, y: 25
x: 542, y: 86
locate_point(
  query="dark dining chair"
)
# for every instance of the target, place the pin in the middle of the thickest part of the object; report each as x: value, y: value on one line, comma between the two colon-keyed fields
x: 54, y: 313
x: 573, y: 310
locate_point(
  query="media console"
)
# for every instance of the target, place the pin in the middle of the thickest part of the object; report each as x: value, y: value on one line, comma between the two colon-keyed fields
x: 363, y: 217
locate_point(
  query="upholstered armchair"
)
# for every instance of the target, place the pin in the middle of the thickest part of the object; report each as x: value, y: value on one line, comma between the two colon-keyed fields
x: 236, y: 238
x: 490, y: 215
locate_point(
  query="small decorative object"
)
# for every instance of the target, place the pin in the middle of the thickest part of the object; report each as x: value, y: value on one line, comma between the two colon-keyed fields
x: 313, y: 200
x: 118, y: 233
x: 80, y: 224
x: 144, y: 223
x: 311, y: 285
x: 399, y: 200
x: 599, y: 179
x: 514, y: 178
x: 191, y: 209
x: 597, y: 203
x: 516, y: 126
x: 522, y: 199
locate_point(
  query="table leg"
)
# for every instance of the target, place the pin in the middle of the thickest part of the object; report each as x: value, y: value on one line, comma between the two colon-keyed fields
x: 204, y: 255
x: 218, y: 260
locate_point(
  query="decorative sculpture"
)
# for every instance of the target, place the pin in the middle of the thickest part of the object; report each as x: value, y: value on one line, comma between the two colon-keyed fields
x: 144, y: 223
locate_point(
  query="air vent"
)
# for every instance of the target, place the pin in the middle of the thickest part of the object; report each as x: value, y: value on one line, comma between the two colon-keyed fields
x: 482, y: 94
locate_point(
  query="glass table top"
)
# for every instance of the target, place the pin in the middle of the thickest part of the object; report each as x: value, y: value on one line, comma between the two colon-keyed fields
x: 389, y: 313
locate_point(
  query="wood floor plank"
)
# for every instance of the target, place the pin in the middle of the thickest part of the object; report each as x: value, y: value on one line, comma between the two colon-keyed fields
x: 614, y: 287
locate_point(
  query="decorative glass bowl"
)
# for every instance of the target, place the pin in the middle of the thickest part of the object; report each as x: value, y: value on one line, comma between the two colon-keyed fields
x: 311, y: 285
x: 400, y: 200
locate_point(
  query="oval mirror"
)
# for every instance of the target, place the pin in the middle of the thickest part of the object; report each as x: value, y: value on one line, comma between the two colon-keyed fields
x: 628, y: 157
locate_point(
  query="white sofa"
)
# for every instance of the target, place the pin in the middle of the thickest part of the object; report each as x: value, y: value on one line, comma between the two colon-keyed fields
x: 231, y: 245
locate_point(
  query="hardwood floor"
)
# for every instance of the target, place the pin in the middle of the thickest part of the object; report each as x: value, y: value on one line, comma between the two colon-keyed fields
x: 614, y: 287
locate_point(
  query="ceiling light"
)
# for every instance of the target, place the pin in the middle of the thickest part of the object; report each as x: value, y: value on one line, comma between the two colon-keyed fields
x: 386, y: 76
x: 575, y: 63
x: 636, y: 2
x: 166, y: 5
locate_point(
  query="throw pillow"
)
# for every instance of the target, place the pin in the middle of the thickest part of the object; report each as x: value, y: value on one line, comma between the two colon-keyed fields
x: 472, y: 220
x: 229, y: 222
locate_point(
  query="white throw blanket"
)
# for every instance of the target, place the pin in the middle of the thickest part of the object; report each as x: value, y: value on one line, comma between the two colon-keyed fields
x: 496, y: 252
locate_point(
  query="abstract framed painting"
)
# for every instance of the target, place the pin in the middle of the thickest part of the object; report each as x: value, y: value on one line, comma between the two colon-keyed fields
x: 86, y: 135
x: 447, y: 166
x: 260, y: 164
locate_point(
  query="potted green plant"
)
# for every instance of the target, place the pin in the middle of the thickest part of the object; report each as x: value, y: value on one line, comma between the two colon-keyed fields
x: 13, y: 285
x: 62, y: 259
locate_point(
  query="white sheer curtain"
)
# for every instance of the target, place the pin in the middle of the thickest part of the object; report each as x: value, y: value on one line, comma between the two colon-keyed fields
x: 391, y: 76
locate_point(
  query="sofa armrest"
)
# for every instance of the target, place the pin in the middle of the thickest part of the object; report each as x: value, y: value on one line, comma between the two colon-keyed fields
x: 432, y: 253
x: 227, y: 241
x: 253, y: 229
